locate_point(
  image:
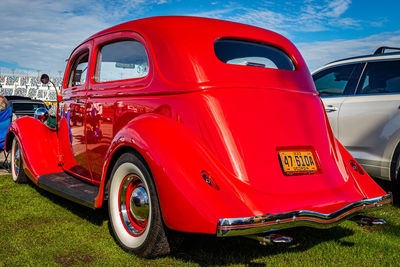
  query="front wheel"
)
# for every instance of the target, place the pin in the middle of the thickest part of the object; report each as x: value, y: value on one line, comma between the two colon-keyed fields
x: 17, y: 169
x: 134, y: 211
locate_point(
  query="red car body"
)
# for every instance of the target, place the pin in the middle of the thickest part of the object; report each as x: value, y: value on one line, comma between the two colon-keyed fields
x: 209, y: 132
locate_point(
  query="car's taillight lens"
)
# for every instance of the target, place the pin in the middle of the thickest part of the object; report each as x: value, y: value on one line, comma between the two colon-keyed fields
x: 356, y: 167
x: 209, y: 179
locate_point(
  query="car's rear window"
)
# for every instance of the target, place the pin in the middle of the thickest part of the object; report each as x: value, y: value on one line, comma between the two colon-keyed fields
x: 27, y: 106
x: 247, y: 53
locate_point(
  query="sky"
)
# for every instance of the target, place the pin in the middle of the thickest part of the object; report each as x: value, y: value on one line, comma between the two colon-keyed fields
x: 37, y: 36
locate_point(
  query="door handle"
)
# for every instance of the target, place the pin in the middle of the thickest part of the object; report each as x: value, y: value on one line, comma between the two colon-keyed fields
x: 330, y: 108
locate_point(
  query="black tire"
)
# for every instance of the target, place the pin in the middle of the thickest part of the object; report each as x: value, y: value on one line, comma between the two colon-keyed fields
x: 397, y: 172
x: 17, y: 165
x: 395, y: 166
x: 134, y: 211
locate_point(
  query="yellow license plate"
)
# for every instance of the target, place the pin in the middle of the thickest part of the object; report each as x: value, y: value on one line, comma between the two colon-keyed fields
x: 297, y: 162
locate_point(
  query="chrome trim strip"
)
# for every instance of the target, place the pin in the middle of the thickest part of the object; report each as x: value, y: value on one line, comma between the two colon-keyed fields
x: 259, y: 224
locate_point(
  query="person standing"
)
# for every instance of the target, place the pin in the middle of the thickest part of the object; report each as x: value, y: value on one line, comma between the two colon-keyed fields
x: 3, y: 103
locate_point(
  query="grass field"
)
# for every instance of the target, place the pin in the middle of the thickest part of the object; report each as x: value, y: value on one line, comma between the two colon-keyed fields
x: 38, y: 228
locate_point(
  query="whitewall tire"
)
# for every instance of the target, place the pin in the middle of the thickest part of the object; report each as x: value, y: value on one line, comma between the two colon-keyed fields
x: 17, y: 167
x: 134, y: 211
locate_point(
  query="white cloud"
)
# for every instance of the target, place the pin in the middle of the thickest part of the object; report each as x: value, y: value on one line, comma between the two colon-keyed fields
x: 265, y: 19
x: 337, y: 8
x: 329, y: 13
x: 331, y: 9
x: 318, y: 54
x: 41, y: 34
x: 309, y: 16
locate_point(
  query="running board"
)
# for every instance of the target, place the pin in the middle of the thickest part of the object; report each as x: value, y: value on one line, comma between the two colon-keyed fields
x: 69, y: 187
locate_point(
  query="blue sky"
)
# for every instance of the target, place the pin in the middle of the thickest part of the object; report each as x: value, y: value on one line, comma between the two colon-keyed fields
x: 38, y: 35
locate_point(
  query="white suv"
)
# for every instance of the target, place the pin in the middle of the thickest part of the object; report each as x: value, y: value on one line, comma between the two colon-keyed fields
x: 361, y: 96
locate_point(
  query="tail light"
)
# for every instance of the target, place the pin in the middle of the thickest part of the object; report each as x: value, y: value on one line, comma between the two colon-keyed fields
x: 209, y: 180
x: 354, y: 164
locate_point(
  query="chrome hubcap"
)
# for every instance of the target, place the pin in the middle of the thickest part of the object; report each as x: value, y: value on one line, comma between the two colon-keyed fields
x: 134, y: 204
x: 139, y: 204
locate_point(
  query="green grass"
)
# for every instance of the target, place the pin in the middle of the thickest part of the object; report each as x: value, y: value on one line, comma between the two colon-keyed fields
x: 38, y: 228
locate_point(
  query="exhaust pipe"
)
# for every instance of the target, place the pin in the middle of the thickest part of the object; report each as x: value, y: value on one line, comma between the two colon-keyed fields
x: 367, y: 220
x: 271, y: 239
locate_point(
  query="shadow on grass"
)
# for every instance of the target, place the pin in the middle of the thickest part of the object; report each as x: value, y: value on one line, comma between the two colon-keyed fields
x: 209, y: 250
x: 96, y: 217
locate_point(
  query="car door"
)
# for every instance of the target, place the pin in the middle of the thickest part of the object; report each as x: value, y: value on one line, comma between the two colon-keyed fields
x: 334, y: 85
x: 72, y: 112
x: 369, y: 122
x: 122, y: 72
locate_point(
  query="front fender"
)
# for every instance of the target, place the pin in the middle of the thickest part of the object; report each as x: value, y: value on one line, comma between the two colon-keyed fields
x: 176, y: 160
x: 38, y: 144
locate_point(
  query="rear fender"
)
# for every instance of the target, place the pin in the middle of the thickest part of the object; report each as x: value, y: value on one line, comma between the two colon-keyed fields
x: 176, y: 160
x: 39, y: 146
x: 368, y: 187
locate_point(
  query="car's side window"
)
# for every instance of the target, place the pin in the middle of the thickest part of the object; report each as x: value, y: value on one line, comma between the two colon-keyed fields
x: 380, y: 78
x: 126, y: 59
x: 77, y: 75
x: 336, y: 81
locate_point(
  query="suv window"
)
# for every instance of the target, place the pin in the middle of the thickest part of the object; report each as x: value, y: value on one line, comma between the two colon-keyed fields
x: 253, y: 54
x: 336, y: 81
x: 381, y: 77
x: 122, y: 60
x: 78, y: 72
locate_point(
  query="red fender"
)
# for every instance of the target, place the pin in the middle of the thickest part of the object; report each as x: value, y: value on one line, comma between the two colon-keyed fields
x: 365, y: 183
x: 188, y: 203
x: 39, y: 146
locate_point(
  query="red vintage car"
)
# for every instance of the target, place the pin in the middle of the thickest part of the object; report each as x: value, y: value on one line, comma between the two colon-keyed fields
x: 192, y: 125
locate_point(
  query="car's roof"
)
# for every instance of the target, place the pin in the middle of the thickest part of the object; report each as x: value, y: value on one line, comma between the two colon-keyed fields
x: 22, y: 99
x: 172, y: 26
x: 182, y: 51
x: 363, y: 58
x: 15, y: 97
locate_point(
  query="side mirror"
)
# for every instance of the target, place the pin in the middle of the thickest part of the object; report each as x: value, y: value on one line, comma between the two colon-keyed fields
x: 42, y: 114
x: 44, y: 78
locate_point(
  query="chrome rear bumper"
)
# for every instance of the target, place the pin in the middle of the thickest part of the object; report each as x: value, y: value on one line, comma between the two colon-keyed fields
x: 259, y: 224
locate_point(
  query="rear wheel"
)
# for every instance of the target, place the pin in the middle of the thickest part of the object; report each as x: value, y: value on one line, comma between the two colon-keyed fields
x: 17, y: 169
x: 134, y: 211
x: 397, y: 171
x: 395, y: 166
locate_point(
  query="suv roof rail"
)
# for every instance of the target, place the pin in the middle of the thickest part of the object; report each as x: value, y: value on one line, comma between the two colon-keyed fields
x: 382, y: 49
